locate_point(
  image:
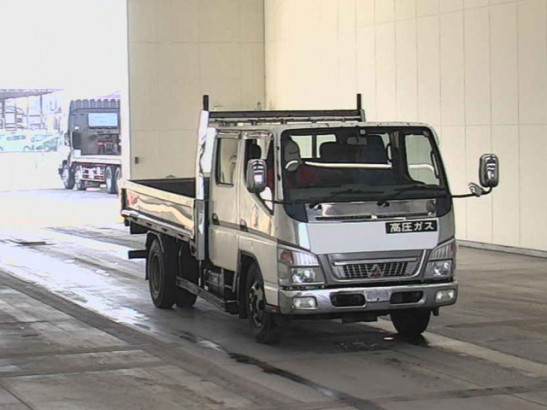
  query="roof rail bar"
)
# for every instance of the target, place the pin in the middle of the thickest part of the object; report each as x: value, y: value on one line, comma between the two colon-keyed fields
x: 286, y: 115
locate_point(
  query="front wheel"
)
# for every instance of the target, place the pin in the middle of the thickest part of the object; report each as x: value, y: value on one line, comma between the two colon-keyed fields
x: 265, y: 327
x: 68, y: 177
x: 117, y: 178
x: 411, y: 322
x: 189, y: 270
x: 78, y: 178
x: 110, y: 180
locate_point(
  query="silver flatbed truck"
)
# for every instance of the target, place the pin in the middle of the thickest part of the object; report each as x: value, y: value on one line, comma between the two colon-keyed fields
x: 304, y: 214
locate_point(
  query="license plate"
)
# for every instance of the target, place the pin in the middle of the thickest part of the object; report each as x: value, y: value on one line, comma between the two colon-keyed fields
x: 411, y: 226
x: 377, y: 295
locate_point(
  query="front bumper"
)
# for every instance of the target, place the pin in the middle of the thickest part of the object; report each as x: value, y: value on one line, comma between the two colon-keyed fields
x: 367, y: 299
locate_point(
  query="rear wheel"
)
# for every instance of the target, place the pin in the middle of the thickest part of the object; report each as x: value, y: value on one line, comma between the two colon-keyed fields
x: 412, y: 322
x: 110, y: 179
x: 265, y: 327
x: 161, y: 279
x: 78, y: 178
x: 68, y: 177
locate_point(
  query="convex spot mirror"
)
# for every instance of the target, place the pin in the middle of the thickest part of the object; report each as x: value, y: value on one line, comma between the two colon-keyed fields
x: 255, y: 178
x: 489, y: 171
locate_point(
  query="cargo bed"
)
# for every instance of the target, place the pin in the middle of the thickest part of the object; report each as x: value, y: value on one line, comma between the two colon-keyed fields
x: 164, y: 205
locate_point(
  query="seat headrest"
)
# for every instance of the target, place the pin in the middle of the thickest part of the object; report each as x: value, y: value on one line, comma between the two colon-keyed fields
x: 335, y: 152
x: 292, y: 151
x: 375, y: 140
x: 372, y: 154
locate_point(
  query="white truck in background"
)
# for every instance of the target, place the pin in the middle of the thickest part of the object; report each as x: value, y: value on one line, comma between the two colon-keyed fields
x: 304, y: 214
x: 93, y: 139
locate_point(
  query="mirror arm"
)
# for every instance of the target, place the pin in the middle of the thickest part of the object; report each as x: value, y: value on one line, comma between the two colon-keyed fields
x: 462, y: 196
x: 484, y: 192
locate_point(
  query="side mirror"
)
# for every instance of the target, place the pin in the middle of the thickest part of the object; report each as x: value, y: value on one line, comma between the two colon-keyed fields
x: 76, y: 140
x: 489, y: 171
x: 255, y: 178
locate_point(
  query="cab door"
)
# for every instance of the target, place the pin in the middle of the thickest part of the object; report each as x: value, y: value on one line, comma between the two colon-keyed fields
x: 224, y: 198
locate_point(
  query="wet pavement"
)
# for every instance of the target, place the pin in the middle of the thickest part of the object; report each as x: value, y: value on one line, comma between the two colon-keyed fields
x: 78, y: 331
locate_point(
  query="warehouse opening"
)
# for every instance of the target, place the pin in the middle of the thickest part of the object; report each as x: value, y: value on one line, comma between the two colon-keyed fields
x: 62, y: 82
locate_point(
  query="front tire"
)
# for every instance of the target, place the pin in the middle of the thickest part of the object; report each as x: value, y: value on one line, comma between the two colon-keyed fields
x: 189, y: 270
x: 68, y: 177
x: 265, y: 327
x: 110, y: 179
x: 161, y: 279
x: 117, y: 178
x: 78, y: 178
x: 411, y: 322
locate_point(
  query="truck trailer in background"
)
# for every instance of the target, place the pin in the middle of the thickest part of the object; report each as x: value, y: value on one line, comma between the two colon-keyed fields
x: 93, y: 138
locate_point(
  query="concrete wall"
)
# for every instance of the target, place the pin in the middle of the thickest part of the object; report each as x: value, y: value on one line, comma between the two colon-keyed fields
x: 474, y: 69
x: 178, y: 51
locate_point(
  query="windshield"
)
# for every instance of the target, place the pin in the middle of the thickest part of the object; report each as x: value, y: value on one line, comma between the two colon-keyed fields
x: 360, y: 163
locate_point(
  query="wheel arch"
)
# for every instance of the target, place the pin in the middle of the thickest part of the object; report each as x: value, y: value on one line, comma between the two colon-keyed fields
x: 246, y: 259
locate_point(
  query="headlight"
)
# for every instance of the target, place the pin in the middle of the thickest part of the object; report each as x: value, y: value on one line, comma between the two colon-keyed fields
x: 298, y: 268
x: 442, y: 263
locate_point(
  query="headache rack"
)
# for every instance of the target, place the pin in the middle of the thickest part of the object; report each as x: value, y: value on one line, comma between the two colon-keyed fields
x: 225, y: 118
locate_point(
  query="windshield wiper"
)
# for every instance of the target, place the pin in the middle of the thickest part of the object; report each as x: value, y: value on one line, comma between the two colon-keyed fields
x: 398, y: 191
x: 332, y: 196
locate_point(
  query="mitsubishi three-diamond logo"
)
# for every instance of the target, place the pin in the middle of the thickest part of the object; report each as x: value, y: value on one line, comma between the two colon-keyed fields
x: 375, y: 271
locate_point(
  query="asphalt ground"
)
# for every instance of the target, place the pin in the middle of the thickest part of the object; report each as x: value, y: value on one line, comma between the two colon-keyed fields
x: 78, y: 331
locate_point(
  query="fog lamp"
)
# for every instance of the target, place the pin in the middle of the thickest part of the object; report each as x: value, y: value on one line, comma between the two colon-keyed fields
x: 304, y: 302
x: 447, y: 295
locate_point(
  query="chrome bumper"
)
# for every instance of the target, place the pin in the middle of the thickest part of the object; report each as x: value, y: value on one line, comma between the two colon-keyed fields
x: 380, y: 298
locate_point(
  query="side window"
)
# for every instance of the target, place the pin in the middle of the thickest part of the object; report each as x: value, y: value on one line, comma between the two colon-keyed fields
x: 421, y: 167
x: 305, y: 143
x: 226, y: 160
x: 321, y: 139
x: 255, y: 149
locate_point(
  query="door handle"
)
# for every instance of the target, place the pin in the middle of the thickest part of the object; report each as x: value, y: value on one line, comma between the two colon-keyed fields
x: 215, y: 220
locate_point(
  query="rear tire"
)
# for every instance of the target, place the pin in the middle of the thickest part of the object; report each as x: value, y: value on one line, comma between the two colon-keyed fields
x: 67, y: 177
x: 161, y: 279
x: 78, y: 181
x: 265, y: 327
x: 411, y: 322
x: 110, y: 179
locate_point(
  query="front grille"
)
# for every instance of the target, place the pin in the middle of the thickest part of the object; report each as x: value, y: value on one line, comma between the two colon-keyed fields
x: 376, y: 270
